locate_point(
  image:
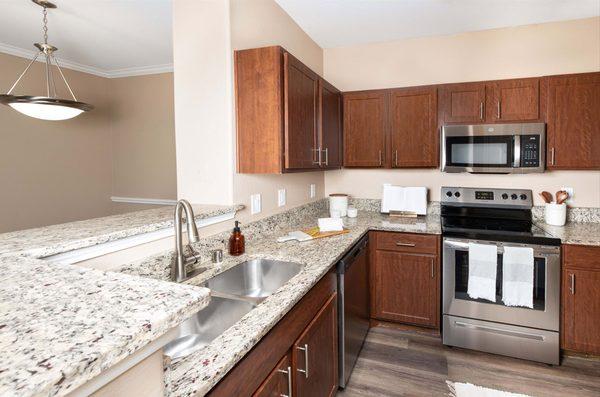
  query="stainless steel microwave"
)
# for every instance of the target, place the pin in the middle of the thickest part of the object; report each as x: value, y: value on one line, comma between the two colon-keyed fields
x: 493, y: 148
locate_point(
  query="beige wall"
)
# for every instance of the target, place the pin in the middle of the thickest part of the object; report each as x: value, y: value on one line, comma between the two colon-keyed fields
x: 535, y: 50
x: 143, y: 129
x: 60, y: 171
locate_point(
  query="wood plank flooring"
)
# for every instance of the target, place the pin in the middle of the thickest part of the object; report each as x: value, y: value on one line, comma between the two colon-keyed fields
x: 403, y: 363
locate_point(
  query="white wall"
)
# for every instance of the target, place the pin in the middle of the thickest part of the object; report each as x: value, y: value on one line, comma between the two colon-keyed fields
x: 535, y: 50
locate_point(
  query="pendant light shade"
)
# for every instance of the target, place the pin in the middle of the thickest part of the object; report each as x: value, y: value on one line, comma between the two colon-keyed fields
x: 47, y: 107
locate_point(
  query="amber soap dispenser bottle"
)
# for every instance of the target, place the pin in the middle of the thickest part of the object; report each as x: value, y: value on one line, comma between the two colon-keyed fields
x: 237, y: 244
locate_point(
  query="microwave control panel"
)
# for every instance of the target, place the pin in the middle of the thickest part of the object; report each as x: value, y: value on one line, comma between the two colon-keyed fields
x: 530, y: 150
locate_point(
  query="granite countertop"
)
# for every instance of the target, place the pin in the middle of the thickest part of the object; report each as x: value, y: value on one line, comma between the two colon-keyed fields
x: 580, y: 233
x: 61, y: 325
x: 199, y: 372
x: 55, y: 239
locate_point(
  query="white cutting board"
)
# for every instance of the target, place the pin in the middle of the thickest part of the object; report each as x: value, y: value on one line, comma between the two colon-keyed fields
x: 404, y: 198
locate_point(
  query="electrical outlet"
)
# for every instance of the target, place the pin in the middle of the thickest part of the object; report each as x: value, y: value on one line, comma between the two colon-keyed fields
x: 570, y: 191
x: 255, y: 204
x: 281, y: 197
x: 313, y: 190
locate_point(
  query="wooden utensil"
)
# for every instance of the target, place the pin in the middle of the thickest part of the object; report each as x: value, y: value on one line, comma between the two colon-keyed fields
x: 546, y: 196
x: 561, y: 196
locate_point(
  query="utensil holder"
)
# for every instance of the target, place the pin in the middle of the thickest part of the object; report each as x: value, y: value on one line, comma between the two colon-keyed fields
x: 555, y: 214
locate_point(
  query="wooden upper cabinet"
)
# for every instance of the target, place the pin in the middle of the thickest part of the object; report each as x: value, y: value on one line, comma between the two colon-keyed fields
x: 573, y: 122
x: 301, y: 94
x: 279, y: 114
x: 365, y: 124
x: 462, y: 103
x: 315, y: 355
x: 330, y: 132
x: 413, y: 127
x: 514, y: 101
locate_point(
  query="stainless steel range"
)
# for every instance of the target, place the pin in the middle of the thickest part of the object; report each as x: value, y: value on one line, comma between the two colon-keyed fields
x: 499, y: 218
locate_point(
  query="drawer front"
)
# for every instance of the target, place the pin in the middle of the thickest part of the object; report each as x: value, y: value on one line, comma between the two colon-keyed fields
x: 407, y: 242
x: 581, y: 256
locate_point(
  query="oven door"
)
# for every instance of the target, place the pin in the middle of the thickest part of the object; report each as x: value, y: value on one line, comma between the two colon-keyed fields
x: 546, y: 287
x: 481, y: 153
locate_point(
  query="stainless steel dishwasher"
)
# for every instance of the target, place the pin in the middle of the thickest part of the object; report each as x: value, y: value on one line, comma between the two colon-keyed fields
x: 353, y: 307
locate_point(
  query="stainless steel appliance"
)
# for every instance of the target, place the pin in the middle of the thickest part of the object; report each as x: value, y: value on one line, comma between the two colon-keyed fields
x: 353, y: 307
x: 501, y: 218
x: 493, y: 148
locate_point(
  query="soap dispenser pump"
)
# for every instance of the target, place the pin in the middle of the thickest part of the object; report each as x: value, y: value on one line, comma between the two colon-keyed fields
x: 237, y: 244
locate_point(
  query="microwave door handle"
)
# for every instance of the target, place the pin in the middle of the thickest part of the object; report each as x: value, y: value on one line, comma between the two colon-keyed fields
x: 517, y: 151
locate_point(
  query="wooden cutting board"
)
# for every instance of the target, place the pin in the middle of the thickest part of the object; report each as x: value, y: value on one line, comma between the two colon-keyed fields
x: 315, y: 233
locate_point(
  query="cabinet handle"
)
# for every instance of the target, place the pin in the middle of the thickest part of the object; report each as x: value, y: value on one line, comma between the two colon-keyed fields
x: 380, y: 158
x: 432, y: 270
x: 305, y: 350
x: 326, y: 150
x: 572, y: 289
x: 317, y: 156
x: 289, y: 379
x: 401, y: 244
x: 552, y: 156
x: 396, y: 158
x: 481, y: 110
x: 498, y: 111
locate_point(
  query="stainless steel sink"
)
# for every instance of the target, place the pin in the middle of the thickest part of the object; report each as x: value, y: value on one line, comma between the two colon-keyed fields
x: 253, y: 280
x: 206, y: 325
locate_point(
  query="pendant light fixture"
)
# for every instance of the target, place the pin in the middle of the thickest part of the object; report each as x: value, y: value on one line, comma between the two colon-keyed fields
x: 47, y: 107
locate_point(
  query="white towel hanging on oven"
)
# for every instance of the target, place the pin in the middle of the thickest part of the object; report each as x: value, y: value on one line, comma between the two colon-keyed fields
x: 517, y: 276
x: 483, y: 261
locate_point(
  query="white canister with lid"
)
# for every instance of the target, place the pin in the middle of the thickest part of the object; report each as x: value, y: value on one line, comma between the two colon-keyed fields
x: 338, y: 202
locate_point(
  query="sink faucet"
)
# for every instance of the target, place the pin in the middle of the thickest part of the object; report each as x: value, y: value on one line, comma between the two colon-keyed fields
x: 178, y: 269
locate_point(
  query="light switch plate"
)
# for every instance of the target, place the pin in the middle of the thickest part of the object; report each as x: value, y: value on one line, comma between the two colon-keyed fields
x: 313, y: 190
x: 569, y: 190
x: 255, y: 204
x: 281, y: 197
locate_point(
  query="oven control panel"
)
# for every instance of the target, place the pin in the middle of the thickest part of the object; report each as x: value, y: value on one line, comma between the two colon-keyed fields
x: 484, y: 197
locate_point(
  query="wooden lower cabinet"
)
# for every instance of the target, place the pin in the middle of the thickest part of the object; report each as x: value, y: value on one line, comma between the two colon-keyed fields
x: 311, y: 323
x: 315, y: 355
x: 581, y: 299
x: 405, y: 278
x: 279, y: 382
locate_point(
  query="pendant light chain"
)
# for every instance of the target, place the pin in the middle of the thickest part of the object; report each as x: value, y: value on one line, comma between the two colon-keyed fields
x: 45, y: 20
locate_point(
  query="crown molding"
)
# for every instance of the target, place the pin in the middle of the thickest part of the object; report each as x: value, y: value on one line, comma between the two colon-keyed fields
x: 109, y: 74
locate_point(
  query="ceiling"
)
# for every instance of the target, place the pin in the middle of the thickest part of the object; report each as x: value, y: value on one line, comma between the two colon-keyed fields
x: 109, y: 38
x: 337, y: 23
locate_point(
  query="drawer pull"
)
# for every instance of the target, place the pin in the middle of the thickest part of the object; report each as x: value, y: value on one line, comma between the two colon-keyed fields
x: 500, y: 331
x: 305, y: 350
x: 401, y: 244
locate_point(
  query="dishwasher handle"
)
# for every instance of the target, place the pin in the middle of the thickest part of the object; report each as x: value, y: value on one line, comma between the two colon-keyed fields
x: 349, y: 258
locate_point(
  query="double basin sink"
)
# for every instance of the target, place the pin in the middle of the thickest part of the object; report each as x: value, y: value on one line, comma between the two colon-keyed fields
x: 233, y: 294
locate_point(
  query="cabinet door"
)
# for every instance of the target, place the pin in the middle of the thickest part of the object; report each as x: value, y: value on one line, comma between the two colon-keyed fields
x: 581, y: 310
x: 574, y: 122
x: 514, y: 101
x: 405, y: 288
x: 413, y: 127
x: 330, y: 137
x: 364, y: 129
x: 463, y: 103
x: 315, y: 355
x: 300, y: 100
x: 279, y: 381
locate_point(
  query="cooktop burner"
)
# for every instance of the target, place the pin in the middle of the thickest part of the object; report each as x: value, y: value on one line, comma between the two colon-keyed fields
x: 491, y: 214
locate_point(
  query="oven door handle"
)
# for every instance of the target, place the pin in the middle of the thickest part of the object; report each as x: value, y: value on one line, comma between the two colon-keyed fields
x: 541, y: 251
